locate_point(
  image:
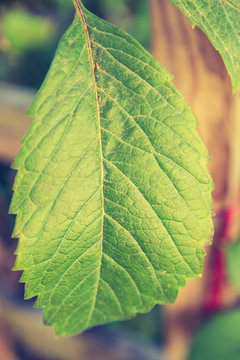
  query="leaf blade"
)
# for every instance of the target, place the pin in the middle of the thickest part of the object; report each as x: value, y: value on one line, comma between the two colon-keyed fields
x: 89, y: 262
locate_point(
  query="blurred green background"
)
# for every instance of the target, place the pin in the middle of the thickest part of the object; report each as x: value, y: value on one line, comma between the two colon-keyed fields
x: 30, y: 31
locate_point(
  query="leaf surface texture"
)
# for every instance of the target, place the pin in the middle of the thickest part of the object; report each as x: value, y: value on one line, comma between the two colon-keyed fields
x: 112, y: 195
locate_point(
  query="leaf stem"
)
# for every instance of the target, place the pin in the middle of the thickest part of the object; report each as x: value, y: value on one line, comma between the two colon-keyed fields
x: 76, y: 4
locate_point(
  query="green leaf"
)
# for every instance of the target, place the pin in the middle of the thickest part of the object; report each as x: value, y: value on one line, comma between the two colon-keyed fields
x: 112, y: 195
x: 218, y: 339
x: 220, y: 20
x: 233, y: 264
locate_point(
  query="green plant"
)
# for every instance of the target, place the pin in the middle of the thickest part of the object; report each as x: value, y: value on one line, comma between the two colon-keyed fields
x: 112, y: 195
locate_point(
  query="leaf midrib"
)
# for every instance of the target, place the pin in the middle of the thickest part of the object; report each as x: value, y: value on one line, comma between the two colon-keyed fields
x: 85, y: 28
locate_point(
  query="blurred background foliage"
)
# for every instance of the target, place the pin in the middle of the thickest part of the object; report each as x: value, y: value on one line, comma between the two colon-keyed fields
x: 30, y: 31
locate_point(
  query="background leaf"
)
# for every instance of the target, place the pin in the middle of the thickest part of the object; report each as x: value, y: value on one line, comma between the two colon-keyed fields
x: 113, y: 196
x: 220, y: 20
x: 233, y: 263
x: 218, y: 339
